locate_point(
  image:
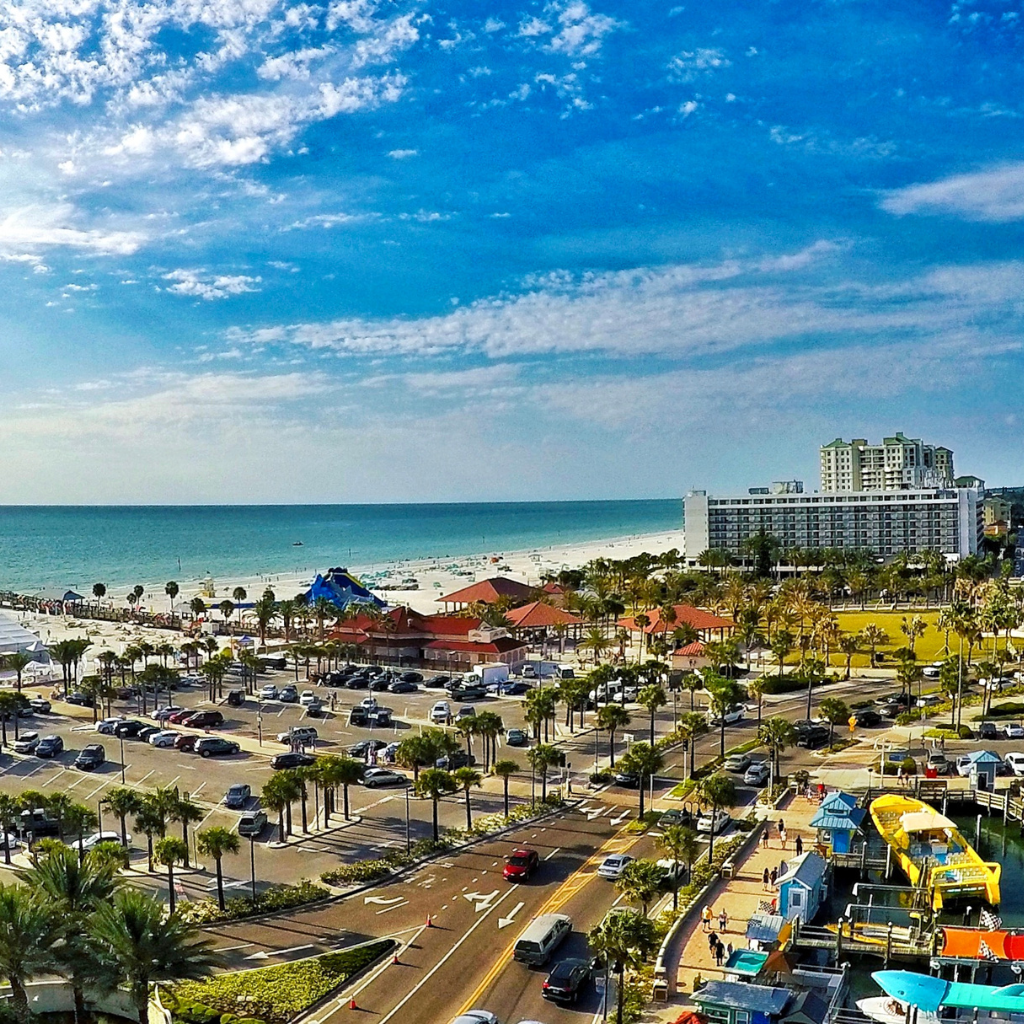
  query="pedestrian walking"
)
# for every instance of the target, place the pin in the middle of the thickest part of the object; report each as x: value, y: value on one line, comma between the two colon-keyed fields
x: 782, y: 825
x: 821, y: 792
x: 705, y: 916
x: 728, y: 949
x: 723, y: 921
x: 782, y: 837
x: 719, y: 954
x: 773, y: 876
x: 764, y: 835
x: 799, y: 844
x: 764, y: 880
x: 712, y: 942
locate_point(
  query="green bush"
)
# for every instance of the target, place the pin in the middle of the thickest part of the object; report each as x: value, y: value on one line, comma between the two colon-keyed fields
x: 278, y: 994
x: 787, y: 684
x: 906, y: 717
x: 600, y: 778
x: 277, y: 897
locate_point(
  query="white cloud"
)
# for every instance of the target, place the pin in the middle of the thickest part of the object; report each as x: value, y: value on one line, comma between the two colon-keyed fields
x: 328, y: 220
x: 581, y: 33
x: 992, y: 195
x: 59, y: 226
x: 198, y: 284
x: 690, y: 64
x: 294, y: 65
x: 403, y: 154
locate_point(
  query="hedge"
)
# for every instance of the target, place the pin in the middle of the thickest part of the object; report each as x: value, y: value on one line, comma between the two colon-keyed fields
x: 280, y: 993
x: 277, y: 897
x: 787, y: 684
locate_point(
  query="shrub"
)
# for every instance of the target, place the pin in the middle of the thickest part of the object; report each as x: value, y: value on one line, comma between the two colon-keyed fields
x: 600, y: 778
x: 277, y: 897
x: 279, y: 993
x: 906, y: 717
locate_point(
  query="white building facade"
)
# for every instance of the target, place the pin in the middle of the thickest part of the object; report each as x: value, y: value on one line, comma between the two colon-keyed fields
x: 899, y: 463
x: 947, y: 520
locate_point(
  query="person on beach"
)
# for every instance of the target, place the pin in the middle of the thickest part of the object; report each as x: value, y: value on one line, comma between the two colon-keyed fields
x: 723, y: 921
x: 782, y: 825
x: 773, y: 877
x: 719, y: 954
x: 764, y: 836
x: 799, y: 844
x: 712, y: 942
x: 782, y: 837
x: 705, y: 916
x: 764, y: 880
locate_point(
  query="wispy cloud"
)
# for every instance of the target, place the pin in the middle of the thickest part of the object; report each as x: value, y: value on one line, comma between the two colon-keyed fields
x: 995, y: 194
x: 200, y: 285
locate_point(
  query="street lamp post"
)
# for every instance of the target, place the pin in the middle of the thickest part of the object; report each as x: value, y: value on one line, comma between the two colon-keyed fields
x: 121, y: 740
x: 408, y: 824
x: 252, y: 865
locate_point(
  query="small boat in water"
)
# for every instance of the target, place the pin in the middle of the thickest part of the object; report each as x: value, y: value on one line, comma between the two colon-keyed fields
x: 296, y: 543
x: 932, y: 852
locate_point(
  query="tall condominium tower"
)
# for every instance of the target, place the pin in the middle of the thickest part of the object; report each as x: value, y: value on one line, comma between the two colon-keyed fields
x: 899, y: 463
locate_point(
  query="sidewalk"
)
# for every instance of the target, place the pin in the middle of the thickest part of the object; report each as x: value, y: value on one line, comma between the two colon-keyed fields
x: 741, y: 896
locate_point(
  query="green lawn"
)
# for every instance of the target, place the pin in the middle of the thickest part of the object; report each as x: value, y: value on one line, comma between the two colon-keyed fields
x: 928, y: 647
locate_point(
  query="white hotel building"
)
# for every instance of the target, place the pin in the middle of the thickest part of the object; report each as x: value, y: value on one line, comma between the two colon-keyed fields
x: 886, y: 522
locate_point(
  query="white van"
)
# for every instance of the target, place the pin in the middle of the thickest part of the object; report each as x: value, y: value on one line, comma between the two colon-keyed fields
x: 441, y: 713
x: 543, y: 935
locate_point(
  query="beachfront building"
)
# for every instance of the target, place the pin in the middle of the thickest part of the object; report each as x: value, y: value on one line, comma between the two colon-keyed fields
x: 453, y: 643
x: 947, y: 519
x: 839, y: 822
x: 537, y: 622
x: 497, y: 590
x: 899, y: 463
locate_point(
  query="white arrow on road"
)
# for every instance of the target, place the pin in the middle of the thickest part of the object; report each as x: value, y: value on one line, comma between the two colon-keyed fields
x: 482, y: 900
x: 504, y: 922
x: 622, y: 817
x: 264, y: 955
x: 380, y: 899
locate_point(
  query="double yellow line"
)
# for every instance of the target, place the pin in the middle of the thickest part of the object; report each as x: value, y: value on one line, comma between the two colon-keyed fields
x: 618, y: 843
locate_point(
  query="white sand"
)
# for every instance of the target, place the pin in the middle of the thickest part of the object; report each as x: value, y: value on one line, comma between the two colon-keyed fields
x: 435, y: 577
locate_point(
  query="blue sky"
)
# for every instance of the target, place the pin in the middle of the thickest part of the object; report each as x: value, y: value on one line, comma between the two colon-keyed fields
x: 393, y: 250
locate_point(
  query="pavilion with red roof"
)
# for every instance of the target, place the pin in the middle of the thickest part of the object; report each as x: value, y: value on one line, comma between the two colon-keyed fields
x: 707, y: 625
x: 490, y: 591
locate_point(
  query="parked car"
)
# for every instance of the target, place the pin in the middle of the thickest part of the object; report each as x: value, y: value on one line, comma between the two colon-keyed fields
x: 252, y: 824
x: 939, y: 763
x: 1014, y: 731
x: 1015, y: 762
x: 673, y: 873
x: 370, y: 703
x: 520, y: 864
x: 737, y: 762
x: 88, y: 842
x: 357, y: 682
x: 374, y: 777
x: 381, y: 717
x: 26, y: 743
x: 49, y: 746
x: 516, y: 738
x: 315, y: 708
x: 129, y: 729
x: 930, y: 671
x: 40, y: 705
x: 177, y: 717
x: 467, y: 692
x: 235, y: 698
x: 304, y: 735
x: 757, y: 774
x: 566, y: 980
x: 164, y: 714
x: 460, y: 759
x: 866, y: 718
x: 381, y: 683
x: 216, y: 746
x: 411, y: 677
x: 630, y: 780
x: 613, y: 865
x: 360, y: 749
x: 204, y: 720
x: 146, y: 731
x: 513, y: 688
x: 988, y: 731
x: 929, y: 700
x: 292, y: 759
x: 358, y: 716
x: 268, y: 692
x: 307, y: 697
x: 437, y: 681
x: 403, y: 686
x: 106, y: 726
x: 164, y: 738
x: 466, y: 711
x: 90, y: 757
x: 237, y: 795
x: 734, y: 714
x: 441, y: 712
x: 963, y: 764
x: 82, y: 700
x: 720, y: 822
x: 675, y: 816
x: 185, y: 742
x: 813, y: 738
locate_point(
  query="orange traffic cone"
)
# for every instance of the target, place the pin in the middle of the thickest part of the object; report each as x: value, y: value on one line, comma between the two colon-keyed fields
x: 429, y: 925
x: 352, y: 1004
x: 395, y: 959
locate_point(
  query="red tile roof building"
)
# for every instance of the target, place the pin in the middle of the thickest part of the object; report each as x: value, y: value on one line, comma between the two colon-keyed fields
x: 538, y: 615
x: 489, y: 591
x: 706, y: 624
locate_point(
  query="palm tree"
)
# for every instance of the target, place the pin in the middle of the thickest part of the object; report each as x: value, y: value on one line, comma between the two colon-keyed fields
x: 640, y: 882
x: 873, y: 636
x: 505, y: 769
x: 17, y: 662
x: 467, y: 778
x: 10, y: 810
x: 276, y: 800
x: 652, y: 697
x: 723, y: 694
x: 541, y: 757
x: 171, y: 589
x: 416, y: 752
x: 683, y: 844
x: 755, y: 691
x: 8, y: 709
x: 215, y: 842
x: 467, y: 729
x: 145, y: 946
x: 692, y: 725
x: 435, y: 783
x: 29, y: 931
x: 596, y: 642
x: 644, y: 761
x: 625, y: 939
x: 489, y: 726
x: 99, y: 591
x: 849, y: 645
x: 150, y: 820
x: 717, y: 792
x: 168, y: 852
x: 344, y: 772
x: 610, y: 719
x: 833, y: 710
x: 776, y: 734
x: 184, y: 811
x: 265, y: 608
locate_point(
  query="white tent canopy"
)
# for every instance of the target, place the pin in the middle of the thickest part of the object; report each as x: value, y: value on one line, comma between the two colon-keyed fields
x: 15, y: 637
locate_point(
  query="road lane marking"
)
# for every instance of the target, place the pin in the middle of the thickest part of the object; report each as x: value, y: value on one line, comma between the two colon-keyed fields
x: 451, y: 952
x: 387, y: 910
x: 381, y: 901
x: 557, y: 849
x: 504, y: 922
x: 264, y: 955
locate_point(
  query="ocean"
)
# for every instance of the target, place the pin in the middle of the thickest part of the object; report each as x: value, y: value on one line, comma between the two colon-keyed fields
x: 47, y: 547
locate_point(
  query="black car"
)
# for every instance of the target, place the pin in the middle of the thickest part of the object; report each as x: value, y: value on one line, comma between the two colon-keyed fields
x: 337, y: 678
x: 90, y: 757
x: 216, y: 746
x: 813, y: 738
x: 467, y: 692
x: 130, y: 729
x: 380, y: 684
x: 867, y: 718
x: 50, y: 746
x: 438, y: 681
x: 988, y: 731
x: 566, y: 980
x: 235, y: 698
x: 515, y: 688
x: 359, y: 716
x: 362, y: 748
x: 403, y: 686
x: 357, y: 682
x: 148, y: 731
x: 411, y: 677
x: 39, y: 823
x: 372, y: 670
x: 460, y: 759
x: 675, y: 816
x: 83, y: 700
x: 288, y: 695
x: 628, y: 779
x: 292, y: 759
x: 382, y: 716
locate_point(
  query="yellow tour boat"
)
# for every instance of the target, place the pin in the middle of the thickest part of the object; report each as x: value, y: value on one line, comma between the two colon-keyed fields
x: 932, y: 852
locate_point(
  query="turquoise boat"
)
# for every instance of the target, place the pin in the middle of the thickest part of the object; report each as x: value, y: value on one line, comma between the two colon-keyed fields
x: 932, y: 995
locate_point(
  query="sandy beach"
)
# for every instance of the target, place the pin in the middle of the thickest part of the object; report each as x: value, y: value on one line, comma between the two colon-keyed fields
x: 435, y: 577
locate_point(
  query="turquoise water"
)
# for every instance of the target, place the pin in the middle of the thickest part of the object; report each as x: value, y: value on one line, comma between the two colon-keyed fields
x: 53, y: 546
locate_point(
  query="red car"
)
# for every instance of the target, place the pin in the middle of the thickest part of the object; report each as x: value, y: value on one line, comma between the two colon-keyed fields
x: 204, y: 720
x: 186, y: 743
x: 179, y: 716
x: 520, y: 864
